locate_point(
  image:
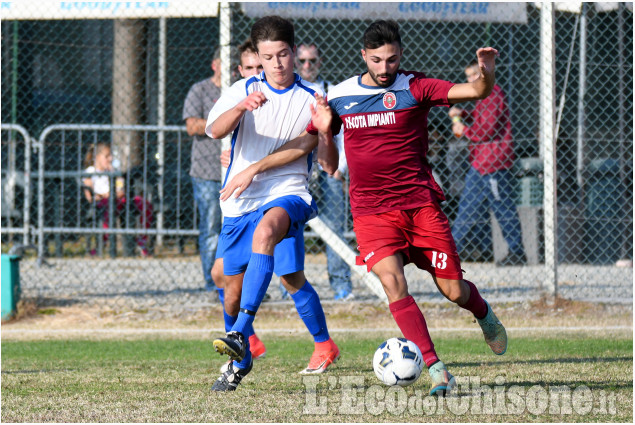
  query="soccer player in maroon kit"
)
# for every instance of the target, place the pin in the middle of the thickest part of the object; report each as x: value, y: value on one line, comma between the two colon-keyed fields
x: 394, y: 198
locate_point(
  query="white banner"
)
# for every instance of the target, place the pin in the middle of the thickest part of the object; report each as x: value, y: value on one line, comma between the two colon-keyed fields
x: 48, y: 9
x: 423, y: 11
x: 576, y: 6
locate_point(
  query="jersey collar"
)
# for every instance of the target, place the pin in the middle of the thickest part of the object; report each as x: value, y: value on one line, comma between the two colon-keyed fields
x: 296, y: 78
x: 359, y: 81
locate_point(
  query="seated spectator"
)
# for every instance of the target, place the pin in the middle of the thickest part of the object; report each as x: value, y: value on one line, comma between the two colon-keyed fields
x: 98, y: 159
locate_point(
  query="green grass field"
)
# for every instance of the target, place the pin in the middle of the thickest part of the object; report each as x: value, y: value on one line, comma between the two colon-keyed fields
x: 544, y: 378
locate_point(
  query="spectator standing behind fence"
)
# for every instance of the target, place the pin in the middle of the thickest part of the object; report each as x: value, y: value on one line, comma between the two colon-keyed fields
x: 331, y: 203
x: 205, y: 169
x: 98, y: 158
x: 489, y: 182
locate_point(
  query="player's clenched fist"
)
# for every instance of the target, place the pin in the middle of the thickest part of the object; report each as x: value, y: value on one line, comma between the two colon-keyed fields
x: 321, y: 114
x: 254, y: 101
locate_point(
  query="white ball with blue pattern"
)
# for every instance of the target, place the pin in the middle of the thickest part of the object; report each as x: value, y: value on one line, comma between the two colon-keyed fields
x: 398, y: 361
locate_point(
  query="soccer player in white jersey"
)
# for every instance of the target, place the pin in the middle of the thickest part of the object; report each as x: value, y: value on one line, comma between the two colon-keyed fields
x: 394, y: 197
x: 249, y: 66
x: 262, y: 208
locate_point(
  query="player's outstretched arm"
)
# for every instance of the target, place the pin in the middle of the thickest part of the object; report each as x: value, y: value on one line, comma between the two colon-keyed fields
x: 289, y: 152
x: 322, y: 116
x: 481, y: 87
x: 328, y: 155
x: 228, y: 120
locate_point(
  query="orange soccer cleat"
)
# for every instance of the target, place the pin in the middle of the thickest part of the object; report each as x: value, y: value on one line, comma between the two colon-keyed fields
x: 324, y: 355
x: 257, y: 347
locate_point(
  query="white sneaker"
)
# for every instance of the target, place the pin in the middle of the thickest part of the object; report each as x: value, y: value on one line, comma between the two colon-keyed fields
x: 442, y: 381
x: 494, y: 332
x: 344, y: 295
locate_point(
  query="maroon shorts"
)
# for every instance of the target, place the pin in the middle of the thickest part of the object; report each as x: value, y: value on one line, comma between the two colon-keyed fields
x: 421, y: 234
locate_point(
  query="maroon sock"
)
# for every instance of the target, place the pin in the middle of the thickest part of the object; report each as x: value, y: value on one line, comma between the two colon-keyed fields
x: 475, y: 304
x: 413, y: 326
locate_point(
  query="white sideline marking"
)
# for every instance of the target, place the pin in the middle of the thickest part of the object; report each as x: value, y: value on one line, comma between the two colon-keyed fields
x: 337, y: 330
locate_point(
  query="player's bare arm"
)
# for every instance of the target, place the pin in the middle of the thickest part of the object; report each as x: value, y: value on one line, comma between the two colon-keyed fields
x: 228, y: 121
x: 289, y: 152
x: 322, y: 116
x: 482, y: 86
x: 195, y: 126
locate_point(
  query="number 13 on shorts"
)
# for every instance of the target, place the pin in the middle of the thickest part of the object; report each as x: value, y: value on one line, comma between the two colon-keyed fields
x: 439, y: 260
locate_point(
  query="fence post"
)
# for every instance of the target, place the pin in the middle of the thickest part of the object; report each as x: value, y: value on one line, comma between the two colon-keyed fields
x: 581, y: 91
x: 40, y: 196
x: 27, y: 190
x: 161, y: 123
x: 224, y: 25
x: 548, y: 142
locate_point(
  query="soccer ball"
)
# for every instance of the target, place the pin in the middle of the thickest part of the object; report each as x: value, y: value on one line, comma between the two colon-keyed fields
x: 398, y: 361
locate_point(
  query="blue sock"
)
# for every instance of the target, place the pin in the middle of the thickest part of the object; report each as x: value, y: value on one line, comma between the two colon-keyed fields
x: 244, y: 364
x: 255, y: 283
x: 221, y: 296
x: 310, y: 310
x: 249, y: 331
x: 229, y: 321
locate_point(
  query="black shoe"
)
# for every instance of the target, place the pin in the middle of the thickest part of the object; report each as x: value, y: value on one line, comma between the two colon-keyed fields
x: 230, y: 379
x: 233, y: 345
x: 513, y: 259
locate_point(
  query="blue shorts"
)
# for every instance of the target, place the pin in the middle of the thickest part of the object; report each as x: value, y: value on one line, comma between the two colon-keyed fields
x: 235, y: 241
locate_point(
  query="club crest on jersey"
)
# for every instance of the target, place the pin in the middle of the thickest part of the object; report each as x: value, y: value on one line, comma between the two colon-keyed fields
x: 390, y: 100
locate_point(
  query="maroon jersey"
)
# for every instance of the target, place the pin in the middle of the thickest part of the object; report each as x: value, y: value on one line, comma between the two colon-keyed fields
x: 386, y: 140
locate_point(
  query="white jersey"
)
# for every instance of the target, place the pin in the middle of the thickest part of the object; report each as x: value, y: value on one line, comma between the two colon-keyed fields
x: 282, y: 118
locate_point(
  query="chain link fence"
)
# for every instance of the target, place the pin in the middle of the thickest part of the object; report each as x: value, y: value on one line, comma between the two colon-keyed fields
x: 77, y: 74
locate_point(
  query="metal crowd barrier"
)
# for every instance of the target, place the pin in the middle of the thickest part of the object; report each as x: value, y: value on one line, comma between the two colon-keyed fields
x: 61, y: 151
x: 12, y: 178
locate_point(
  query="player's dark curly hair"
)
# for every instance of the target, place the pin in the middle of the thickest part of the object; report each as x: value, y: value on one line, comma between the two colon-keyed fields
x: 381, y: 32
x: 272, y: 28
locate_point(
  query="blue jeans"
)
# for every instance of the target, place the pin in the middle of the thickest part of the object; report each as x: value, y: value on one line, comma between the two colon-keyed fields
x: 495, y: 191
x: 206, y: 195
x: 332, y: 210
